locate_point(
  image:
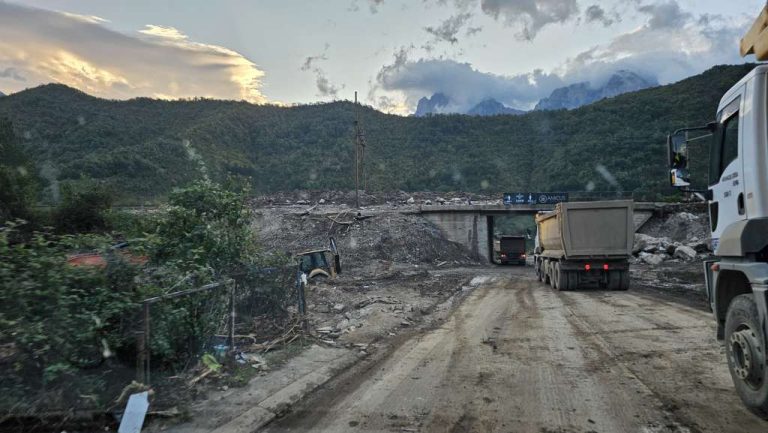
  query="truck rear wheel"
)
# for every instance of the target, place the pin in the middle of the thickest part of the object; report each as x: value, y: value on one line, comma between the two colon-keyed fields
x: 618, y: 280
x: 556, y: 278
x: 564, y: 280
x: 746, y: 354
x: 545, y: 270
x: 624, y: 280
x: 573, y: 280
x: 539, y: 273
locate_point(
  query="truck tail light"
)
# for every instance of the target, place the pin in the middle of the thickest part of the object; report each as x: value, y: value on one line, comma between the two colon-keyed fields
x: 522, y: 256
x: 605, y: 266
x: 587, y: 267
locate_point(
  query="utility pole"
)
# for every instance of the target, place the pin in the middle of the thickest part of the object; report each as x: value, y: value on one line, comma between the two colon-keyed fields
x: 359, y: 154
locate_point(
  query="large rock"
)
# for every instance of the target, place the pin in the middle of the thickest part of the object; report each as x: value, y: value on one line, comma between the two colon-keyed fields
x: 649, y: 244
x: 684, y: 252
x: 651, y: 259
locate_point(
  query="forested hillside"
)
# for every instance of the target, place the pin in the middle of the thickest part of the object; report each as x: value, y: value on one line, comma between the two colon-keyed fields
x: 143, y: 148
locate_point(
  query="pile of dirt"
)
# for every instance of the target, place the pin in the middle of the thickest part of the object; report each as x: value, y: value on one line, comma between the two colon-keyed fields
x: 669, y: 249
x: 684, y: 227
x: 368, y: 244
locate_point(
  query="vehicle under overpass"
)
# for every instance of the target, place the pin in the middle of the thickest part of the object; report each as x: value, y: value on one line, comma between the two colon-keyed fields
x: 472, y: 225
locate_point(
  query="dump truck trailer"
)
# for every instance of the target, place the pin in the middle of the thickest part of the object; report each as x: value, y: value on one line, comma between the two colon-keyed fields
x: 585, y: 243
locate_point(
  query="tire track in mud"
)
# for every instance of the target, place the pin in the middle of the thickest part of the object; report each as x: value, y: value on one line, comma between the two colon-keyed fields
x: 518, y: 356
x: 641, y: 363
x: 590, y: 336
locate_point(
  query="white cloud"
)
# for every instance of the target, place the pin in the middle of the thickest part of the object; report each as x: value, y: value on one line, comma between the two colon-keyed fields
x: 464, y: 85
x: 325, y: 88
x: 47, y: 46
x: 670, y: 45
x: 595, y: 13
x: 530, y: 15
x: 448, y: 30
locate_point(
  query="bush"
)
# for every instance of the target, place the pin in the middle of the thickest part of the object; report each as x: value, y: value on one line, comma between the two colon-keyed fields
x: 62, y: 321
x: 83, y: 209
x: 206, y: 229
x: 18, y: 183
x: 59, y: 319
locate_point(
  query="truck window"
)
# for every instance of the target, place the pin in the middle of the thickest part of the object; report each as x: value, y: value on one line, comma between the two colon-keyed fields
x: 730, y: 142
x: 725, y: 145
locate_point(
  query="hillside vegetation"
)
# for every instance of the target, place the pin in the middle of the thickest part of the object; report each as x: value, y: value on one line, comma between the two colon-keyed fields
x: 143, y: 148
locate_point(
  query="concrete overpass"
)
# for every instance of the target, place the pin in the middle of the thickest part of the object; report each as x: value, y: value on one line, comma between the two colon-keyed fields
x: 472, y: 225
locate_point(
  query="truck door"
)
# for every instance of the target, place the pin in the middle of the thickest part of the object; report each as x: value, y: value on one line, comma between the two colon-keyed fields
x: 726, y: 171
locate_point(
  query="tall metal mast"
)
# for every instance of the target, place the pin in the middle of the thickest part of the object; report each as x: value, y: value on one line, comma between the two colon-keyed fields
x: 359, y: 154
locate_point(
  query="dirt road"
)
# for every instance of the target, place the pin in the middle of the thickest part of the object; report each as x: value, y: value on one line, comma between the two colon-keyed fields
x: 517, y: 356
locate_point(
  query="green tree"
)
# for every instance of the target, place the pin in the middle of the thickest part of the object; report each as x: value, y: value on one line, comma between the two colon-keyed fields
x: 83, y: 208
x: 18, y: 183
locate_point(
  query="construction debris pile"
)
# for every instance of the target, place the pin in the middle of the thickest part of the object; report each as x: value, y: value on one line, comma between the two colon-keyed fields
x: 372, y: 242
x: 680, y: 236
x: 668, y: 252
x: 398, y: 198
x: 356, y: 311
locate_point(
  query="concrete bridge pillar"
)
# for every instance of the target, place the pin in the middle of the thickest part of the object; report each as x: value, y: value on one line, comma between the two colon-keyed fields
x: 468, y: 229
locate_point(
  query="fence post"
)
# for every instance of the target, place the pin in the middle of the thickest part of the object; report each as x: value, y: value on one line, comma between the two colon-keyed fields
x: 147, y: 351
x: 232, y: 319
x: 302, y: 307
x: 140, y: 348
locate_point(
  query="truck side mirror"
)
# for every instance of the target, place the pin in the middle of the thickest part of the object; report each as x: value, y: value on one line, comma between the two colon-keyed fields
x: 677, y: 151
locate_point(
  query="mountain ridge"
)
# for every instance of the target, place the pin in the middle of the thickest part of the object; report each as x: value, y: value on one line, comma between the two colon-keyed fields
x: 583, y: 93
x: 142, y: 148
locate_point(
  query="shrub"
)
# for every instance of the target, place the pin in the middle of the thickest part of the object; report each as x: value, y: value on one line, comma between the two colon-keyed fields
x: 83, y: 209
x: 18, y: 182
x: 57, y: 318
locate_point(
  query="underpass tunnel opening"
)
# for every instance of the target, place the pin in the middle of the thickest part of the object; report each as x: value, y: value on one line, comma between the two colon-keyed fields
x: 510, y: 238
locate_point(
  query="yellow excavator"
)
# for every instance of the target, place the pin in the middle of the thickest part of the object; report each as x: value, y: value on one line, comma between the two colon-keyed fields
x: 320, y: 263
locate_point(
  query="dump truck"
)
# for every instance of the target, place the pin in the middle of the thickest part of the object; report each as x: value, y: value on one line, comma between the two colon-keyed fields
x: 585, y: 243
x: 512, y: 250
x: 736, y: 278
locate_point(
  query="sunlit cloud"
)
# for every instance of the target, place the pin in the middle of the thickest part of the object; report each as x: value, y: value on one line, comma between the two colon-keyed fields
x: 93, y: 19
x: 164, y: 32
x: 43, y: 46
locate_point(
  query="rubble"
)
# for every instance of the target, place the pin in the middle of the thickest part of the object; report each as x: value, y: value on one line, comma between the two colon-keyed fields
x: 651, y: 259
x: 681, y: 236
x: 685, y: 253
x: 369, y: 246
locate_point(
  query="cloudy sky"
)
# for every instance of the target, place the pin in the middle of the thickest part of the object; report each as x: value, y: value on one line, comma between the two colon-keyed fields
x: 392, y: 52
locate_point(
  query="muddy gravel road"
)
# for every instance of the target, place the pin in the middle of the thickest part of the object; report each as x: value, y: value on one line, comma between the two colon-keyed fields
x: 517, y: 356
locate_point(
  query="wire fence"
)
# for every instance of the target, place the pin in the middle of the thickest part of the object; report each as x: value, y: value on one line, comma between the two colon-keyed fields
x: 165, y: 341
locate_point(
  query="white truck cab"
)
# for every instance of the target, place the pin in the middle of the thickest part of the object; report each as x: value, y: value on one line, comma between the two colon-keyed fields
x: 737, y: 195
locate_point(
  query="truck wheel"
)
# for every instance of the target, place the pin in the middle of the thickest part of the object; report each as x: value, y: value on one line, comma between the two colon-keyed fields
x: 624, y: 280
x: 746, y: 354
x: 545, y: 271
x: 565, y: 280
x: 572, y: 280
x: 556, y: 276
x: 614, y: 280
x: 618, y: 280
